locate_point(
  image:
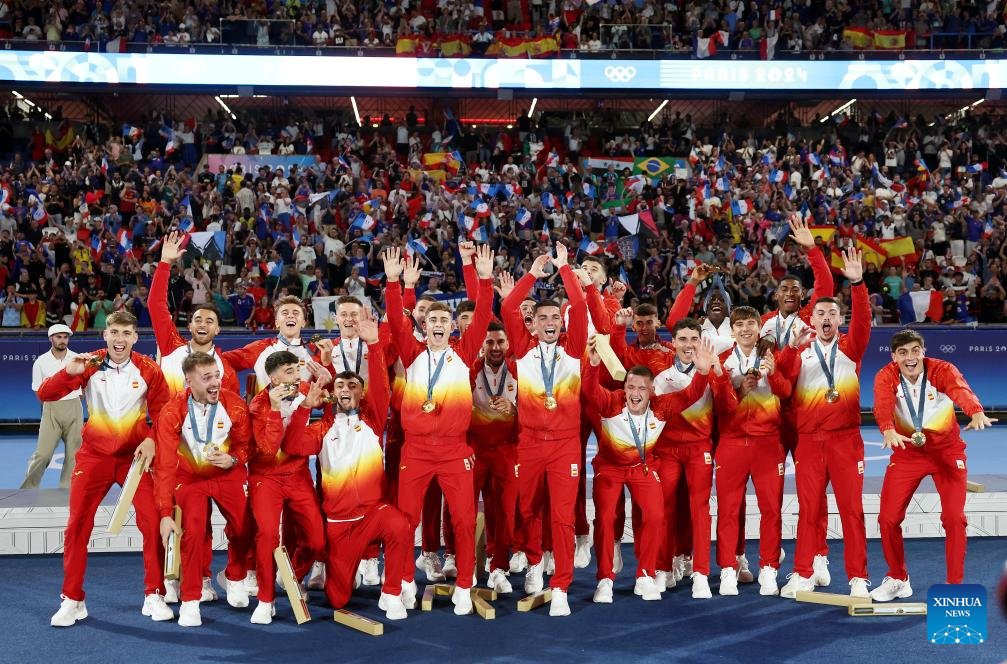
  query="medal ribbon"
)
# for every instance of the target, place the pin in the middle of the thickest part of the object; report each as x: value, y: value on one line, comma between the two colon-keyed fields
x: 684, y: 369
x: 434, y: 374
x: 548, y: 377
x: 500, y: 386
x: 830, y: 369
x: 915, y: 414
x: 783, y: 341
x: 636, y: 435
x: 195, y: 425
x: 741, y: 360
x: 360, y: 355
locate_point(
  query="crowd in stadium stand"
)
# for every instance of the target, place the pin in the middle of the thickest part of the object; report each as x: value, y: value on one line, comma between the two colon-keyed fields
x: 83, y: 209
x: 516, y: 28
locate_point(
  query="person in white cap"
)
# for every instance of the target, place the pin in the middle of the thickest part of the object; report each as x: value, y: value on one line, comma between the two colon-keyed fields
x: 61, y: 420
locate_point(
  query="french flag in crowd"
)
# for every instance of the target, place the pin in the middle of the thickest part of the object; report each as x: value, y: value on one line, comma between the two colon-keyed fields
x: 363, y: 221
x: 743, y: 256
x: 901, y: 123
x: 814, y: 160
x: 721, y: 163
x: 481, y: 208
x: 552, y: 161
x: 129, y: 131
x: 740, y: 206
x: 426, y: 221
x: 589, y: 190
x: 479, y: 234
x: 342, y: 162
x: 295, y: 238
x: 185, y: 225
x: 523, y: 217
x: 416, y: 246
x: 548, y: 200
x: 777, y: 175
x: 590, y: 247
x: 125, y: 243
x: 706, y: 47
x: 976, y: 168
x: 723, y: 184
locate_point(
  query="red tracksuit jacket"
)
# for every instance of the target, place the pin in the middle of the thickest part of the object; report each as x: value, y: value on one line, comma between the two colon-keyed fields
x: 695, y: 423
x: 269, y: 428
x: 533, y: 417
x: 757, y: 414
x: 657, y: 357
x: 170, y: 344
x: 489, y: 427
x: 777, y: 325
x: 119, y: 400
x: 181, y: 459
x: 945, y: 386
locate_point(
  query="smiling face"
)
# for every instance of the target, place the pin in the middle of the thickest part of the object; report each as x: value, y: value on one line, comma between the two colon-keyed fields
x: 596, y: 271
x: 120, y: 339
x: 204, y: 326
x: 716, y: 311
x: 826, y: 319
x: 204, y: 381
x: 547, y: 323
x: 438, y: 327
x: 528, y: 313
x: 909, y: 358
x: 464, y: 320
x: 495, y: 348
x: 788, y: 296
x: 685, y: 342
x: 645, y: 328
x: 420, y: 311
x: 290, y: 320
x: 746, y: 332
x: 347, y: 319
x: 348, y: 393
x: 638, y: 390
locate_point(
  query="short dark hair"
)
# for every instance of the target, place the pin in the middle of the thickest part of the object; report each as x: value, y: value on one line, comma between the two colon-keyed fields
x: 827, y: 300
x: 195, y: 360
x: 427, y: 298
x: 906, y: 337
x: 686, y: 324
x: 744, y: 313
x: 495, y: 326
x: 280, y: 358
x: 348, y: 299
x: 641, y: 370
x: 646, y: 309
x: 790, y: 276
x: 599, y: 261
x: 437, y: 305
x: 349, y: 375
x: 207, y: 306
x: 289, y: 299
x: 465, y: 306
x: 542, y: 304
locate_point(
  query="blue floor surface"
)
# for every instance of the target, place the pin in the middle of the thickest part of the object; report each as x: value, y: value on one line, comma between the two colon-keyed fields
x: 747, y: 628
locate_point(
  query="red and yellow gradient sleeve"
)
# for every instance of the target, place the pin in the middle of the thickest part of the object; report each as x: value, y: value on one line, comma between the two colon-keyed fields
x: 158, y: 392
x: 167, y: 437
x: 683, y: 304
x: 471, y: 342
x: 165, y: 332
x: 518, y: 335
x: 603, y: 402
x: 725, y: 399
x: 406, y: 344
x: 375, y: 407
x: 667, y: 406
x: 576, y: 333
x: 60, y: 384
x: 242, y: 359
x: 240, y: 435
x: 946, y: 378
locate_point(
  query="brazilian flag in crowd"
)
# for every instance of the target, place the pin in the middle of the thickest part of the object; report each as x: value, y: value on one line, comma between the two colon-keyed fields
x: 659, y: 166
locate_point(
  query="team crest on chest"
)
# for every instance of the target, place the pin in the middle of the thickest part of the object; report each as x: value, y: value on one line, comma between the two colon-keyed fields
x: 136, y: 384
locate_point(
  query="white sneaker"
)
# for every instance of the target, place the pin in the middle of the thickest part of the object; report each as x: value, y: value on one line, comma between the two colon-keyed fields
x: 533, y: 578
x: 820, y: 571
x: 237, y: 594
x: 251, y: 583
x: 462, y: 599
x: 430, y: 564
x: 646, y: 587
x: 892, y: 589
x: 559, y: 606
x: 603, y: 593
x: 370, y: 576
x: 683, y: 567
x: 700, y: 586
x: 263, y: 614
x: 617, y: 558
x: 486, y: 565
x: 156, y: 609
x: 767, y: 581
x: 687, y: 566
x: 518, y: 562
x: 795, y: 584
x: 858, y: 588
x: 729, y: 581
x: 188, y: 614
x: 449, y: 569
x: 70, y: 611
x: 208, y: 593
x: 744, y: 571
x: 171, y: 591
x: 316, y: 577
x: 392, y: 606
x: 498, y: 581
x: 661, y: 579
x: 408, y: 594
x: 582, y: 552
x: 550, y: 563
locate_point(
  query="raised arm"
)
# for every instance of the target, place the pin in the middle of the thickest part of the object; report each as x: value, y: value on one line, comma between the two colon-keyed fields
x: 467, y: 250
x: 860, y: 315
x: 576, y: 332
x: 510, y: 308
x: 475, y: 335
x: 604, y: 401
x: 165, y: 332
x: 401, y: 330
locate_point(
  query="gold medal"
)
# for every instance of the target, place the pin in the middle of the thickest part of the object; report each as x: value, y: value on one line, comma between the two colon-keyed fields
x: 428, y: 406
x: 832, y: 395
x: 94, y: 360
x: 315, y: 338
x: 918, y: 439
x: 755, y: 373
x: 209, y: 449
x: 550, y: 403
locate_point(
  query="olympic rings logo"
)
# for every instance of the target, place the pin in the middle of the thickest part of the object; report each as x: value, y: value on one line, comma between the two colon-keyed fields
x: 947, y: 348
x: 620, y: 74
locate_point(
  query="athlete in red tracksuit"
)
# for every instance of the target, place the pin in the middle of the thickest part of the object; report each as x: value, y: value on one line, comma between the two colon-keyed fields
x: 630, y: 421
x: 925, y: 442
x: 749, y: 447
x: 825, y: 374
x: 778, y: 327
x: 204, y: 326
x: 281, y: 483
x: 203, y: 439
x: 437, y: 409
x: 549, y: 417
x: 347, y: 441
x: 685, y: 456
x: 121, y: 392
x: 493, y: 435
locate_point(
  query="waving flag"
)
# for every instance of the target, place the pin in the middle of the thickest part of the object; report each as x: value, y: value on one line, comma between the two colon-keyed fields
x: 882, y: 180
x: 548, y: 200
x: 706, y: 47
x: 480, y: 234
x: 631, y: 222
x: 901, y: 123
x: 275, y: 268
x: 295, y: 238
x: 813, y: 159
x: 723, y: 184
x: 185, y: 225
x: 918, y: 306
x: 480, y: 207
x: 976, y: 168
x: 363, y: 221
x: 129, y: 131
x: 720, y: 164
x: 416, y: 246
x: 590, y: 247
x: 743, y: 256
x: 522, y: 217
x: 635, y: 183
x: 125, y: 243
x: 741, y: 206
x: 589, y: 190
x: 426, y: 221
x: 777, y: 175
x: 209, y: 245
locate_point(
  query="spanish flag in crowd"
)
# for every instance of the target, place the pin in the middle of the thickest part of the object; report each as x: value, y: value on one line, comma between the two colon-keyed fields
x: 542, y: 47
x: 863, y: 38
x: 456, y: 46
x: 859, y: 37
x: 900, y: 246
x: 889, y: 39
x: 407, y: 45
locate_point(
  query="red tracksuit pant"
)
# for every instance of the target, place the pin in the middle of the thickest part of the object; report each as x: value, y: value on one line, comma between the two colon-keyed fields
x: 455, y: 479
x: 347, y: 541
x: 549, y: 468
x: 902, y: 477
x: 294, y: 497
x: 762, y: 459
x: 820, y: 457
x: 788, y: 436
x: 494, y: 478
x: 580, y: 523
x: 93, y: 475
x: 645, y: 490
x: 229, y: 494
x: 690, y: 464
